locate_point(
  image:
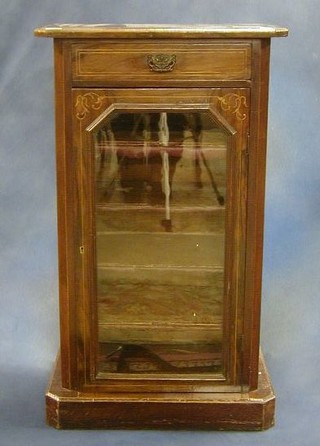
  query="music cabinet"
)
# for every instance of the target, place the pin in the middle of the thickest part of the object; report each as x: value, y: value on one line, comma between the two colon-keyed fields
x: 161, y: 150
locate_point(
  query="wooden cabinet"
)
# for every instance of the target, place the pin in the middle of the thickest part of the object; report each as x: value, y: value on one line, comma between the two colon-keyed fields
x: 161, y: 139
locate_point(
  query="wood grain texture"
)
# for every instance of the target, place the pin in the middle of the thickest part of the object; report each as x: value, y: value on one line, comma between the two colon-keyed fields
x: 222, y: 70
x: 160, y: 31
x: 67, y: 409
x: 233, y: 106
x: 66, y: 215
x: 255, y: 199
x: 126, y: 62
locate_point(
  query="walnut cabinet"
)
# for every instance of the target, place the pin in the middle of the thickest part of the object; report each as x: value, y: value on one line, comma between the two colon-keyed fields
x: 161, y: 150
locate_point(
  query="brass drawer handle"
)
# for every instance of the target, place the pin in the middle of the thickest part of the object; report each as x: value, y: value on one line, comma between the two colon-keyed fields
x: 161, y: 62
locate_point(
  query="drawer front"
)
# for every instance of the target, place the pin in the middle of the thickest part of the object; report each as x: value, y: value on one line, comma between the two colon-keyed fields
x: 159, y: 63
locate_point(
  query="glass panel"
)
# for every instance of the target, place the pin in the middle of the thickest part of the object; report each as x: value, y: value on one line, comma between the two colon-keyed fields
x: 160, y: 182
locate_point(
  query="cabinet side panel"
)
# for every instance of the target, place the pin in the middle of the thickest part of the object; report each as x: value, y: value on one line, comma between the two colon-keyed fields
x: 65, y: 217
x: 255, y: 221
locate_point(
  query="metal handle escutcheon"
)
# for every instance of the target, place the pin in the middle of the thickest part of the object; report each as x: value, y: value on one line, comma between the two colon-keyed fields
x: 161, y: 62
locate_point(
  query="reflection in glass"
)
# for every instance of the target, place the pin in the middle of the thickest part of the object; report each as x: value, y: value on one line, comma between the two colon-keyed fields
x: 160, y: 181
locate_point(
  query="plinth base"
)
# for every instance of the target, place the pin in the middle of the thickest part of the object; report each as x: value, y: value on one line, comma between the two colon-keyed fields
x: 68, y: 409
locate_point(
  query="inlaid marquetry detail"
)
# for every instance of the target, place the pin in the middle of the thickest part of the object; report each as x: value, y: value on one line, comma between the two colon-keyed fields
x: 87, y: 102
x: 230, y: 102
x: 234, y: 103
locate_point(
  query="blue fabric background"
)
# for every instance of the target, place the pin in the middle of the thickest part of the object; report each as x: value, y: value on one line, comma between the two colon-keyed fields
x: 28, y: 263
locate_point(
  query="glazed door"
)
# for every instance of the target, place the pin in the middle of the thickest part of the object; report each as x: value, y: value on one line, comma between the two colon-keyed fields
x: 162, y: 192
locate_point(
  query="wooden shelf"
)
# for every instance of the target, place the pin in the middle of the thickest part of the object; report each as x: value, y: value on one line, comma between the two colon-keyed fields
x: 160, y: 313
x: 160, y: 250
x: 147, y: 218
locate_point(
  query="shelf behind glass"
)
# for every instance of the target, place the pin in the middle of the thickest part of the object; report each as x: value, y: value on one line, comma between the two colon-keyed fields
x: 160, y: 239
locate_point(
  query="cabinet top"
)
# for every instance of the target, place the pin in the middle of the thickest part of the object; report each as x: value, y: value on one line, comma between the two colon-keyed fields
x: 160, y: 31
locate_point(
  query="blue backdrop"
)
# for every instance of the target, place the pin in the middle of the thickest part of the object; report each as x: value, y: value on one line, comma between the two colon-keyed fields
x: 28, y: 263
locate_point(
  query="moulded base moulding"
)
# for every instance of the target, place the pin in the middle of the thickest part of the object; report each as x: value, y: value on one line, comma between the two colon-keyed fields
x: 67, y: 409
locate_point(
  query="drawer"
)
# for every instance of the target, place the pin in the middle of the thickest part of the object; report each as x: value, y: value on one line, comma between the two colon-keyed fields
x: 159, y: 63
